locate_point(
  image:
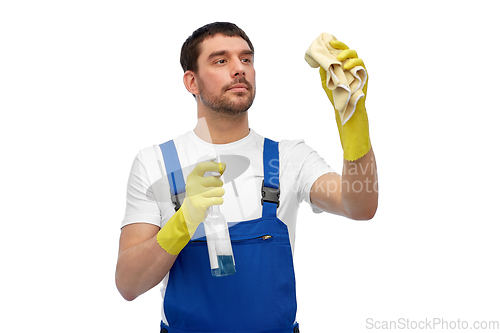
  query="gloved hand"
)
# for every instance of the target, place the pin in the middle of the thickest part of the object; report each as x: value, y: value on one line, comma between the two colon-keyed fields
x: 354, y: 134
x: 201, y: 193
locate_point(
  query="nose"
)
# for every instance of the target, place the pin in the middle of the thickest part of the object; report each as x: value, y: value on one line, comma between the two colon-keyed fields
x: 238, y: 69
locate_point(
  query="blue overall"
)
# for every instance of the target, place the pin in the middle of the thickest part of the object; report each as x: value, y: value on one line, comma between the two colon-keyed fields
x: 260, y: 296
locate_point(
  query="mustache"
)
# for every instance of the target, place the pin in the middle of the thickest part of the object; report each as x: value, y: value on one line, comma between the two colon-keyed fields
x: 240, y: 80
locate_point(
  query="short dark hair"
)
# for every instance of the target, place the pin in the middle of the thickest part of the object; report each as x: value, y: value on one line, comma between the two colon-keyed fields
x: 191, y: 48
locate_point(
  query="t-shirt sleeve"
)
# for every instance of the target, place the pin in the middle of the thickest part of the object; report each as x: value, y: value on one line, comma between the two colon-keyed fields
x: 141, y: 206
x: 312, y: 166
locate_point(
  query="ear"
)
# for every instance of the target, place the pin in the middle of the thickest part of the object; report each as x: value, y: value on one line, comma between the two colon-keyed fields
x: 190, y: 82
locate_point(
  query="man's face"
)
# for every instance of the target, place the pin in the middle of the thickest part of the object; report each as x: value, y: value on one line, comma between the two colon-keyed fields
x: 226, y: 76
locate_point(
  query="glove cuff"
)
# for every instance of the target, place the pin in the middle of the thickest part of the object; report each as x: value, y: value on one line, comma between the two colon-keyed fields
x: 174, y: 235
x: 354, y: 134
x: 354, y: 151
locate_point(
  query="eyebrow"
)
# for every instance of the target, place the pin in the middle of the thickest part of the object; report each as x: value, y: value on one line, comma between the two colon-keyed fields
x: 223, y: 52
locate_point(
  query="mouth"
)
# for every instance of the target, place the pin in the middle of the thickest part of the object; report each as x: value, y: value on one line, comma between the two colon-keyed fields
x: 238, y: 88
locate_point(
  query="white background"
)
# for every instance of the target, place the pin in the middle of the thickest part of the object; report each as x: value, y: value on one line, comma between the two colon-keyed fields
x: 85, y: 84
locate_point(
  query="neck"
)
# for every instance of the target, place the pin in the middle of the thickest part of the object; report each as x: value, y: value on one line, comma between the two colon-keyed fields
x: 221, y: 130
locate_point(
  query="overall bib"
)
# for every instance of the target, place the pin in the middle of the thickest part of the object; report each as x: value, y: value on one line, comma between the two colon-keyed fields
x: 260, y: 296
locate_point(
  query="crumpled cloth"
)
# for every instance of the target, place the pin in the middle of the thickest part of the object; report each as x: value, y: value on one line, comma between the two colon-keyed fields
x: 346, y: 85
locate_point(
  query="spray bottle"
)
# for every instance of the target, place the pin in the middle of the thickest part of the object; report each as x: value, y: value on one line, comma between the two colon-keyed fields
x: 220, y: 250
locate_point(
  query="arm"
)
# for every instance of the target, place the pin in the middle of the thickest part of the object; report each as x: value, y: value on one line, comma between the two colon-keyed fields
x: 147, y: 252
x: 354, y: 194
x: 142, y: 263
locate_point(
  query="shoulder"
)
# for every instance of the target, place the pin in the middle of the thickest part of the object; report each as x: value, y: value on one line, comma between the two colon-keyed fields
x: 289, y: 145
x: 296, y: 150
x: 150, y: 158
x: 147, y: 155
x: 153, y: 153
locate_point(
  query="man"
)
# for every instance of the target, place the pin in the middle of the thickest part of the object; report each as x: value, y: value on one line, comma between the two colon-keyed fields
x: 157, y: 239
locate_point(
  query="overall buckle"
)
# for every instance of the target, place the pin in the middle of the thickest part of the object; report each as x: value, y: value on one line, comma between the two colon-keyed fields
x: 270, y: 194
x: 177, y: 200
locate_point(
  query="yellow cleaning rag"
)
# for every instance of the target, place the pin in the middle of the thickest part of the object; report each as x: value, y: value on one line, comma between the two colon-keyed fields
x: 346, y: 85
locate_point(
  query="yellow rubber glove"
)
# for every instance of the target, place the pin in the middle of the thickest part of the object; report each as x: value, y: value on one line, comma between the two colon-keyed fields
x: 201, y: 193
x: 354, y: 134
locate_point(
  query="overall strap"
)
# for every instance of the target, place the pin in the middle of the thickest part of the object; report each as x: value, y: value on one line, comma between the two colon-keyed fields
x: 270, y: 184
x: 174, y: 172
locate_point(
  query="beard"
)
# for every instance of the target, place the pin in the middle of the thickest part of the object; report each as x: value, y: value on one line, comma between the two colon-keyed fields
x: 227, y: 105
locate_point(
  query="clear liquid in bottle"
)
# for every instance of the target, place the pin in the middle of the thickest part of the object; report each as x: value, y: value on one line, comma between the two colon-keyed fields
x: 219, y: 246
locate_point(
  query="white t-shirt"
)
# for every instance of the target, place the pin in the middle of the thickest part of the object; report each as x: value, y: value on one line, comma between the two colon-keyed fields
x: 148, y: 193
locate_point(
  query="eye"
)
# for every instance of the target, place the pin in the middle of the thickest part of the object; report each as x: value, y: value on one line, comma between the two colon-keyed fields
x: 221, y: 61
x: 246, y: 60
